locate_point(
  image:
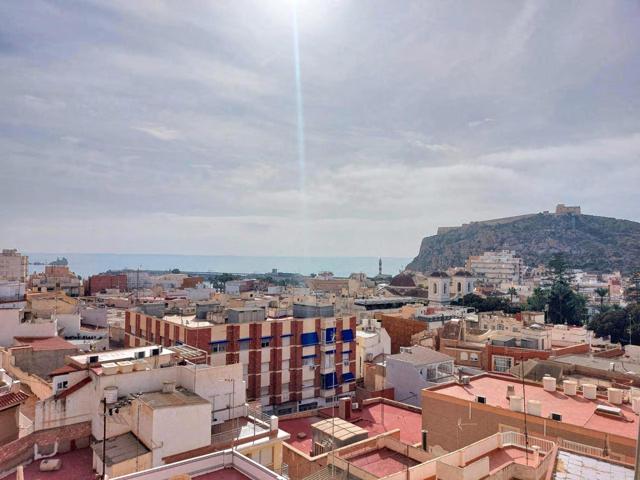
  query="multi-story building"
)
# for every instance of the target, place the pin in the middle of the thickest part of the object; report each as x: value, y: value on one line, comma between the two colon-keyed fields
x: 496, y: 268
x: 372, y: 344
x: 290, y: 363
x: 58, y: 278
x: 106, y: 281
x: 461, y: 413
x: 13, y: 265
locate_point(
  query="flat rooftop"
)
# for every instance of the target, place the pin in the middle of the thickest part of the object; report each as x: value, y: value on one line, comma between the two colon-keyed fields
x: 178, y: 398
x: 369, y: 418
x: 570, y: 466
x: 575, y: 410
x: 121, y: 448
x: 76, y: 465
x: 382, y: 462
x: 621, y: 364
x: 338, y: 428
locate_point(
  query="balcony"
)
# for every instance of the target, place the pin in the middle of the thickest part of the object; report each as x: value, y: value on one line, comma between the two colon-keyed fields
x: 241, y: 430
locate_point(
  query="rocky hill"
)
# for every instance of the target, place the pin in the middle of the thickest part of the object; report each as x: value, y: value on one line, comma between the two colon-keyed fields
x: 589, y: 242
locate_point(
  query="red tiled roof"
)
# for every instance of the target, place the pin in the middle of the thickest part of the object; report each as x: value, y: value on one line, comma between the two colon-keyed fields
x: 44, y: 343
x: 74, y: 388
x: 63, y: 370
x: 9, y: 400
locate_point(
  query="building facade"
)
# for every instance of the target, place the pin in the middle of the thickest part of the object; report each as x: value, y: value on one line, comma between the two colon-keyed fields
x: 288, y: 363
x: 13, y: 265
x: 496, y: 268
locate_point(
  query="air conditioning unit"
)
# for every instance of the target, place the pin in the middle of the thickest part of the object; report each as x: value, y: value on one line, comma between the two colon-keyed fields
x: 355, y: 405
x: 465, y: 380
x: 480, y: 399
x: 556, y: 416
x: 93, y: 359
x: 139, y: 354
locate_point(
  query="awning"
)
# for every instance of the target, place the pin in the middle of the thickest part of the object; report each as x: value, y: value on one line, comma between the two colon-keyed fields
x: 348, y: 377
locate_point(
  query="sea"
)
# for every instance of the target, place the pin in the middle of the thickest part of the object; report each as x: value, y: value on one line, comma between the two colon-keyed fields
x: 86, y: 264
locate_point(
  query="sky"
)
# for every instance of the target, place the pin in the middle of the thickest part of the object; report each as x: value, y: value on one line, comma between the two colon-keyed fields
x: 309, y: 128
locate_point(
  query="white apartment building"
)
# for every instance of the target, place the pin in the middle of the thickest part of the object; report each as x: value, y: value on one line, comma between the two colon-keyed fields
x: 496, y: 268
x: 371, y: 341
x: 157, y: 409
x: 13, y: 265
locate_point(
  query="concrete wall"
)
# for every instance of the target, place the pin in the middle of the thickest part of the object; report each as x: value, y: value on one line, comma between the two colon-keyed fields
x: 405, y: 379
x: 40, y: 362
x: 12, y: 326
x: 9, y: 425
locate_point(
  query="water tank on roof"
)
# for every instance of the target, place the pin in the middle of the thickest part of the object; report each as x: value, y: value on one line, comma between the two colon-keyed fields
x: 111, y: 394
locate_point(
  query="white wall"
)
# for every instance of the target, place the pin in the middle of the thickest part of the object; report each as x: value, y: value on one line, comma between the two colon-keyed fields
x: 70, y: 322
x: 10, y: 326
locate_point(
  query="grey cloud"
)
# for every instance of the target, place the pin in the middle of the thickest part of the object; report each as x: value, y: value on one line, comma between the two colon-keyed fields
x: 175, y: 125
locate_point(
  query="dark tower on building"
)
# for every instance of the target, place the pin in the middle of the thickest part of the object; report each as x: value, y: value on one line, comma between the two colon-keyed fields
x: 379, y: 266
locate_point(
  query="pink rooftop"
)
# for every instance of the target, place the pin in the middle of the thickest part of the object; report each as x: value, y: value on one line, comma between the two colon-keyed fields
x: 575, y: 410
x: 369, y: 418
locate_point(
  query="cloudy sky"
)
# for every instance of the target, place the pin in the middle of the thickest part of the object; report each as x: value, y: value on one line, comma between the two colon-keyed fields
x: 134, y: 126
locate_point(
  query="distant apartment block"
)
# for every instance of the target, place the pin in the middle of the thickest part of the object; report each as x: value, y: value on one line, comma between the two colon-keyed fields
x: 291, y: 363
x: 106, y: 281
x: 496, y: 267
x: 13, y: 265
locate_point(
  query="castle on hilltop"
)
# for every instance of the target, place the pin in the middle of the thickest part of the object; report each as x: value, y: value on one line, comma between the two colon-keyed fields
x: 561, y: 209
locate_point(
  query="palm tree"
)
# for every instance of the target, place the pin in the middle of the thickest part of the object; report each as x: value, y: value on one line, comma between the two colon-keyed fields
x: 512, y: 291
x: 601, y: 292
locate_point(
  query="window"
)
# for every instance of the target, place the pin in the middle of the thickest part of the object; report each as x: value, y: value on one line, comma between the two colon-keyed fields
x: 62, y: 385
x: 309, y: 360
x: 329, y: 335
x: 502, y: 364
x: 459, y: 287
x: 435, y: 288
x: 469, y: 287
x: 500, y: 326
x: 244, y: 344
x: 473, y: 357
x: 464, y: 356
x: 444, y: 288
x: 328, y: 381
x: 286, y: 341
x: 266, y: 342
x: 219, y: 347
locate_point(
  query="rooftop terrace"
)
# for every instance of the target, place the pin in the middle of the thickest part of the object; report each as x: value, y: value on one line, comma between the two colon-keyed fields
x: 376, y: 418
x: 575, y: 409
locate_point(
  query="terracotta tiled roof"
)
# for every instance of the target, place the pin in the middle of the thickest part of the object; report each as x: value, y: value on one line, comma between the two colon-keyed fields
x: 74, y: 388
x: 9, y: 400
x: 63, y: 370
x: 44, y: 343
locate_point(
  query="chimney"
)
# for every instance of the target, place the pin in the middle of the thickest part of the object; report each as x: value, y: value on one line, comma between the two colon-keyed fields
x: 344, y: 408
x: 425, y: 442
x: 168, y: 387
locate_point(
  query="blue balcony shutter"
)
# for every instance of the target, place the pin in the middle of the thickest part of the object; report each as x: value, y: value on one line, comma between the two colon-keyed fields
x: 347, y: 377
x: 347, y: 335
x: 310, y: 338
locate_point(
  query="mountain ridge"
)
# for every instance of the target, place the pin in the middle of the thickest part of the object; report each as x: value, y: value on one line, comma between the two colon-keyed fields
x: 589, y: 242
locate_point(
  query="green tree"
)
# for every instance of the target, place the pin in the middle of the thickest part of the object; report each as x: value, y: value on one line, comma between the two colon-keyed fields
x: 538, y: 300
x: 488, y: 304
x: 621, y: 324
x: 560, y: 301
x: 512, y: 291
x: 601, y: 292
